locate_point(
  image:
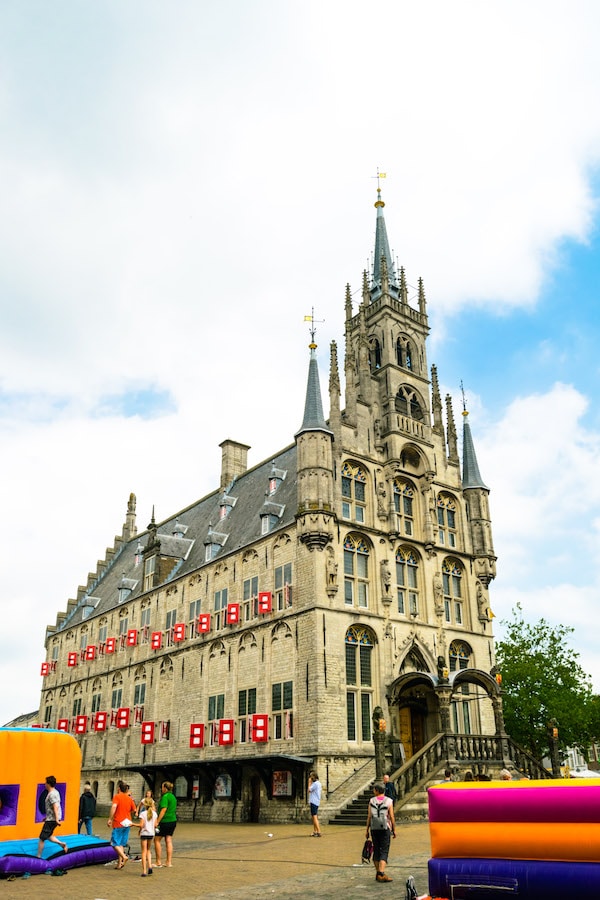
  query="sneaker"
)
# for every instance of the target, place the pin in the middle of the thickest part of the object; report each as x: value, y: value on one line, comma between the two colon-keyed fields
x: 149, y: 871
x: 381, y: 876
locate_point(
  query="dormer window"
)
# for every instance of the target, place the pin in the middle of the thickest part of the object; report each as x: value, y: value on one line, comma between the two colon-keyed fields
x: 125, y: 587
x: 226, y: 504
x: 179, y: 530
x: 268, y: 523
x: 213, y: 543
x: 275, y: 478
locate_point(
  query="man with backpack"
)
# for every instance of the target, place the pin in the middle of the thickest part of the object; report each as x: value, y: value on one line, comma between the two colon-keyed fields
x: 381, y: 824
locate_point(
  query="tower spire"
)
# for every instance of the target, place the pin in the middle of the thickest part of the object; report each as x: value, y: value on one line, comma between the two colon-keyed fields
x: 382, y: 250
x: 314, y: 419
x: 471, y: 477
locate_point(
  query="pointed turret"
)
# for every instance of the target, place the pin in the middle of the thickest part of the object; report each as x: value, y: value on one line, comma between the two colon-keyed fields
x: 382, y: 251
x: 471, y: 477
x: 480, y: 526
x: 314, y: 443
x: 314, y: 419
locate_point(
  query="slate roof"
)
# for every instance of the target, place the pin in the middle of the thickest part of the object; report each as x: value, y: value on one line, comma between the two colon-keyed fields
x: 242, y: 527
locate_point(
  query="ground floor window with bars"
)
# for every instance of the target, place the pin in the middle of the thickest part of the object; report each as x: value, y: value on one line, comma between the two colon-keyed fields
x: 282, y: 701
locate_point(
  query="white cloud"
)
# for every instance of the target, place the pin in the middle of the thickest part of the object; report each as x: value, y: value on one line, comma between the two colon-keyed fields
x: 180, y: 190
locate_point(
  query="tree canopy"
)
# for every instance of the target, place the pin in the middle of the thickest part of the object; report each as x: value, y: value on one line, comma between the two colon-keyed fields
x: 543, y: 680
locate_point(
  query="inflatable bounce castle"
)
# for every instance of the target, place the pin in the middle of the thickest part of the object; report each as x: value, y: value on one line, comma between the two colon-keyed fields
x: 531, y: 839
x: 27, y: 757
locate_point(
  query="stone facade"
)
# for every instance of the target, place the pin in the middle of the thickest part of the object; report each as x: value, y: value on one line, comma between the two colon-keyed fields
x: 267, y: 628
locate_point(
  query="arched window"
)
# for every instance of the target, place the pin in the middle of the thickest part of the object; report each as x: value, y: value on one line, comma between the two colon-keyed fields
x: 356, y: 572
x: 359, y: 680
x: 408, y: 403
x: 407, y: 578
x: 452, y: 579
x: 404, y: 354
x: 459, y: 654
x: 353, y: 492
x: 374, y: 354
x: 404, y: 494
x: 446, y: 516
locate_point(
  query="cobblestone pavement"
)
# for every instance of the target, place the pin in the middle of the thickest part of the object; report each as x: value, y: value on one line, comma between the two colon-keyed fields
x: 247, y: 862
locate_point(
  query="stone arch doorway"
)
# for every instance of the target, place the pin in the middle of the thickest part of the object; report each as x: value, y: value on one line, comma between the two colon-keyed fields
x: 414, y: 714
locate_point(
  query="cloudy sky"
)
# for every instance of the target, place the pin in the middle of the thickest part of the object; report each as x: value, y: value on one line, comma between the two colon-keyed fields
x: 182, y: 182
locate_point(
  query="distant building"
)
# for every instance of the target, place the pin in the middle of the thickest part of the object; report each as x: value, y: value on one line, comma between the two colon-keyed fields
x: 256, y: 633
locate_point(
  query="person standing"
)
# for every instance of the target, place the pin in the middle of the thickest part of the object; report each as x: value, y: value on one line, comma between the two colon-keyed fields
x: 121, y: 813
x: 314, y: 798
x: 389, y: 788
x: 53, y: 817
x: 167, y: 821
x: 147, y: 826
x: 87, y: 809
x: 381, y: 824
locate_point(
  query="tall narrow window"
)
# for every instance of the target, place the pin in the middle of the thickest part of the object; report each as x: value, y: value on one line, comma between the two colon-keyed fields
x: 404, y: 505
x: 250, y: 598
x: 220, y: 607
x: 375, y: 354
x: 283, y: 586
x: 246, y: 708
x: 459, y: 654
x: 353, y: 492
x: 407, y: 578
x: 356, y: 572
x: 359, y: 681
x: 446, y: 514
x: 149, y: 571
x: 452, y: 572
x: 216, y: 711
x: 282, y: 706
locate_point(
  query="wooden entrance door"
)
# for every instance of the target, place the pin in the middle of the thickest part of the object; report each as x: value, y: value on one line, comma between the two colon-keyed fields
x: 412, y: 730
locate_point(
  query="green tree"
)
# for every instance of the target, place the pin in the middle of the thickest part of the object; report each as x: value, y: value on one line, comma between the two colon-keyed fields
x: 542, y: 680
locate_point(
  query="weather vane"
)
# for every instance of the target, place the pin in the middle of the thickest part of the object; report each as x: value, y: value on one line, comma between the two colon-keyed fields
x: 313, y: 322
x: 464, y: 399
x: 378, y: 176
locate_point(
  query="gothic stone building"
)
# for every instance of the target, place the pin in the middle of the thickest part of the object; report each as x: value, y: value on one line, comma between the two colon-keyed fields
x: 253, y: 635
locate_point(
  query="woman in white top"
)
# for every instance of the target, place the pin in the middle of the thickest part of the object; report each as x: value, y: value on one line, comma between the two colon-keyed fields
x: 147, y: 826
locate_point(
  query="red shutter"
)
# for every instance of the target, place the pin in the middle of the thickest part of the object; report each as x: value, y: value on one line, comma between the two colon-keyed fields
x: 81, y: 724
x: 197, y: 736
x: 100, y: 721
x: 156, y: 640
x: 148, y: 729
x: 132, y: 637
x: 45, y: 668
x: 204, y: 622
x: 63, y: 725
x: 265, y: 602
x: 226, y: 732
x: 72, y: 659
x: 179, y: 632
x: 122, y: 717
x: 233, y: 613
x: 111, y: 645
x: 90, y: 652
x: 259, y: 728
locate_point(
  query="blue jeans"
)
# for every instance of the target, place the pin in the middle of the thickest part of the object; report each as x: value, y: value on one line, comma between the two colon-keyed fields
x: 88, y: 825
